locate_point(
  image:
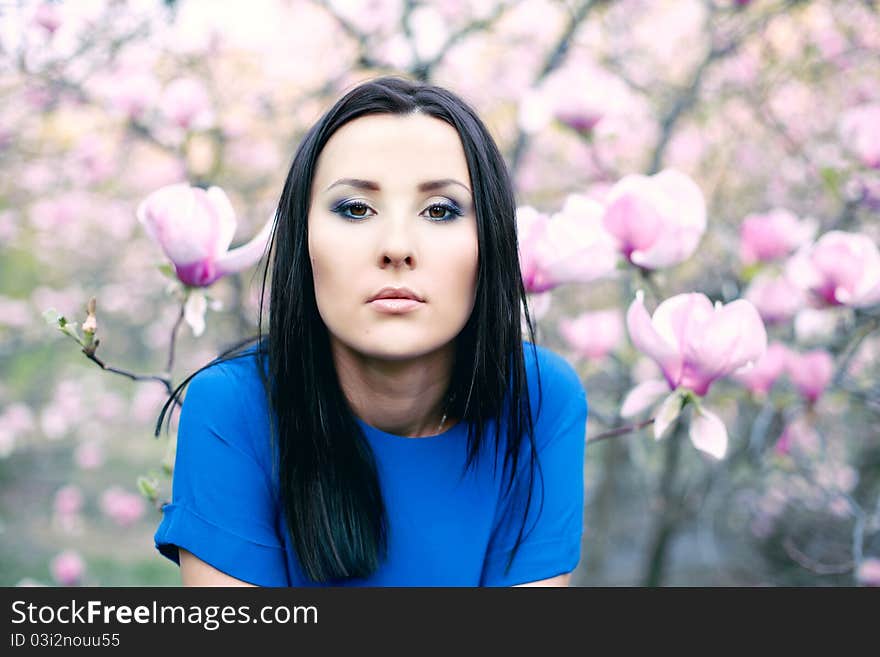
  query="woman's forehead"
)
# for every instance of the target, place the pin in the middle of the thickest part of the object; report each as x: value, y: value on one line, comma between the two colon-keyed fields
x: 393, y: 151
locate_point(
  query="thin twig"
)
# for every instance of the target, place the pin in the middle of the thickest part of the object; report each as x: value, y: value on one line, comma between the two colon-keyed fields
x: 619, y: 431
x: 174, y: 337
x: 131, y: 375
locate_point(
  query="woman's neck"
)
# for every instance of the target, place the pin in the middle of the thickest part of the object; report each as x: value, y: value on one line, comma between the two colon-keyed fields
x: 401, y: 397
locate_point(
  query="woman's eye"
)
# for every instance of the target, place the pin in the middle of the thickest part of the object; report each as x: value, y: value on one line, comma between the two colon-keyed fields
x: 443, y: 212
x: 355, y: 210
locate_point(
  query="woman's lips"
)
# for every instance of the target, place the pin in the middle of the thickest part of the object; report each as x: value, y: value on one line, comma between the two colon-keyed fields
x: 395, y: 306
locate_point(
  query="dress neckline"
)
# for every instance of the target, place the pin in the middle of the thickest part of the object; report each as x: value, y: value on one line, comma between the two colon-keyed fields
x: 455, y: 429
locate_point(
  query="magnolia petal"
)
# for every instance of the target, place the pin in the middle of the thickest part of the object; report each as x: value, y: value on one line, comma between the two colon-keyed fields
x: 182, y: 220
x: 668, y: 413
x: 685, y: 198
x: 734, y: 337
x: 630, y: 216
x: 226, y: 222
x: 679, y: 318
x: 651, y: 343
x: 708, y: 433
x: 642, y: 397
x: 574, y: 247
x: 242, y: 257
x: 151, y: 207
x: 671, y: 249
x: 194, y: 311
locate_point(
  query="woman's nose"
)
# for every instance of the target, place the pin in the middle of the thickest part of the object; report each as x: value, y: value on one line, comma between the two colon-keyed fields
x: 397, y: 241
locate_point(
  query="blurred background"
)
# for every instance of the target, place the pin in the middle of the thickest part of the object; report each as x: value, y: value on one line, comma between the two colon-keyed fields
x: 770, y: 109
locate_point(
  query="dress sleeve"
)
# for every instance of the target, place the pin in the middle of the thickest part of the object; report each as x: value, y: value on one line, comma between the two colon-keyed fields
x: 223, y: 509
x: 551, y: 541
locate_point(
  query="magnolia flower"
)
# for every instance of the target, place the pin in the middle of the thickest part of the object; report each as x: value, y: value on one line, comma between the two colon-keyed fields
x: 122, y: 507
x: 48, y: 17
x: 840, y: 268
x: 810, y: 372
x: 766, y: 237
x: 694, y: 343
x: 194, y: 228
x: 568, y: 247
x: 859, y: 130
x: 579, y: 96
x: 68, y: 500
x: 760, y: 378
x: 776, y: 297
x: 67, y: 568
x: 186, y: 103
x: 657, y: 220
x: 89, y: 455
x: 593, y: 334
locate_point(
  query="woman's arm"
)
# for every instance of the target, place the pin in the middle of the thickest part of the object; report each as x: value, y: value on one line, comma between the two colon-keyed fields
x: 195, y: 572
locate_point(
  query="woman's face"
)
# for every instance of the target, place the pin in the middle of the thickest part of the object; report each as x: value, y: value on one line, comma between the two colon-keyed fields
x: 391, y: 206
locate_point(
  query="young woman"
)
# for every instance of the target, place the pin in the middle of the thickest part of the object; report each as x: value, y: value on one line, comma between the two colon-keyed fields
x: 393, y: 428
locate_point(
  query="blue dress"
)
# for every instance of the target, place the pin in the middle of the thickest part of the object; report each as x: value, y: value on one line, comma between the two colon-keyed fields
x: 444, y: 530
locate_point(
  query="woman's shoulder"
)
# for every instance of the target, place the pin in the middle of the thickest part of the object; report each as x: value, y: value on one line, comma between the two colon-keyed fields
x: 228, y: 395
x: 232, y: 376
x: 558, y: 376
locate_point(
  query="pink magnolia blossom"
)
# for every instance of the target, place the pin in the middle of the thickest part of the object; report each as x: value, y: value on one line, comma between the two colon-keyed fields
x: 694, y: 342
x: 18, y: 418
x: 186, y: 103
x: 68, y: 500
x: 593, y: 334
x: 195, y: 227
x: 776, y: 297
x: 67, y: 568
x: 122, y: 507
x: 859, y: 130
x: 579, y: 95
x: 773, y: 235
x: 657, y: 220
x: 760, y: 378
x: 89, y: 455
x: 840, y: 268
x: 568, y: 247
x: 48, y: 17
x: 810, y: 372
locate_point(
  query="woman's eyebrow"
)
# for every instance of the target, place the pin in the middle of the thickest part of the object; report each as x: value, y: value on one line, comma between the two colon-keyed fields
x: 427, y: 186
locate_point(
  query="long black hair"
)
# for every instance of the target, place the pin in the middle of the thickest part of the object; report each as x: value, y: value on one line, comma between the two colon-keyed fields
x: 329, y: 485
